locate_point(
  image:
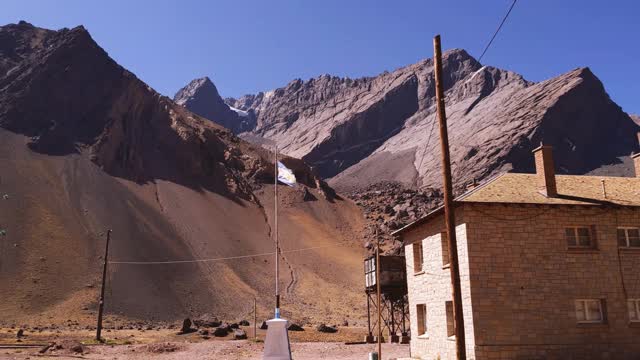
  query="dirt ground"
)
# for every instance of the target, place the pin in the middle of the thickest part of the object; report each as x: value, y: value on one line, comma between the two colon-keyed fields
x: 59, y: 207
x: 242, y: 349
x: 166, y: 344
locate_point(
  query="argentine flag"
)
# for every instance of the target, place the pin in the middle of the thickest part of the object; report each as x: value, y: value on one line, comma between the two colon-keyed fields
x: 285, y: 175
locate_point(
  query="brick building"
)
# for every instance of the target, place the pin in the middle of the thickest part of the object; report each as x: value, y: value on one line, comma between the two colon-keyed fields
x: 549, y: 267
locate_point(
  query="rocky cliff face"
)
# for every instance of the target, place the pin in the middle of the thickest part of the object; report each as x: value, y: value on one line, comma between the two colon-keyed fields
x: 367, y: 134
x: 358, y: 132
x: 68, y: 96
x: 201, y: 97
x: 333, y: 122
x: 86, y: 146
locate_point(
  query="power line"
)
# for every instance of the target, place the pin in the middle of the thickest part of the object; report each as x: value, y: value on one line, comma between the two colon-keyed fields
x: 426, y: 147
x: 497, y: 30
x: 221, y: 258
x: 479, y: 60
x: 504, y: 19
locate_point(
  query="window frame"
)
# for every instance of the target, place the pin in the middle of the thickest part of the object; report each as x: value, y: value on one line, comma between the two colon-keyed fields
x: 444, y: 244
x: 592, y: 238
x: 636, y: 302
x: 626, y: 236
x: 370, y: 272
x: 450, y: 319
x: 418, y: 269
x: 601, y: 307
x: 422, y: 320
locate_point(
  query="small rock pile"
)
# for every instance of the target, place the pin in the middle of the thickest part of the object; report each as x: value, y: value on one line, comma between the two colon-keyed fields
x: 295, y: 327
x: 207, y: 320
x: 162, y: 348
x: 186, y: 327
x: 208, y: 324
x: 239, y: 334
x: 65, y: 346
x: 326, y: 329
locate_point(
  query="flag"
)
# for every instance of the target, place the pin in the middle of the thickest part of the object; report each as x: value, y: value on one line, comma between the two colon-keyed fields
x: 285, y: 175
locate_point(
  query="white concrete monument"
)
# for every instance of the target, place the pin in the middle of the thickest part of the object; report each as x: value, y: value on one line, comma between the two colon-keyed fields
x: 276, y: 346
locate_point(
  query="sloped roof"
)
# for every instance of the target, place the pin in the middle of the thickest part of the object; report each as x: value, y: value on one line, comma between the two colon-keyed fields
x: 572, y: 190
x: 511, y: 188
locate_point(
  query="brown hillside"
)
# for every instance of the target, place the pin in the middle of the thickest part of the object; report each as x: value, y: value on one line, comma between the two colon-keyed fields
x: 86, y: 146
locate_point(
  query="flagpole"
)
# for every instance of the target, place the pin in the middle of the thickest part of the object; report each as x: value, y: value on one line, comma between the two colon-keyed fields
x: 276, y: 235
x: 276, y: 344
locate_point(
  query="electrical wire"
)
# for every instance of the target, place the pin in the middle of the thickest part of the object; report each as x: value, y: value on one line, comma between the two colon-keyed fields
x: 497, y: 30
x: 222, y: 258
x: 479, y: 60
x: 426, y: 147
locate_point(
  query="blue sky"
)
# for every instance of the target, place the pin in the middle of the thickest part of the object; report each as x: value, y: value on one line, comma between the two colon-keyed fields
x: 249, y: 46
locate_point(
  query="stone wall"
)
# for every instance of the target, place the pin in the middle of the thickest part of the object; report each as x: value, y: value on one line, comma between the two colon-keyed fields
x: 519, y: 283
x: 432, y: 287
x: 525, y: 281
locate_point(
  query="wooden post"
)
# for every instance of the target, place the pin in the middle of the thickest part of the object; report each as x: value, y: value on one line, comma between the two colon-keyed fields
x: 369, y: 316
x: 104, y: 280
x: 379, y: 300
x: 448, y: 205
x: 255, y: 319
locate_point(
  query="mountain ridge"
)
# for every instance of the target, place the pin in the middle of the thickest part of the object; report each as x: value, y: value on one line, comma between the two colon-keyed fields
x: 336, y: 123
x: 376, y: 138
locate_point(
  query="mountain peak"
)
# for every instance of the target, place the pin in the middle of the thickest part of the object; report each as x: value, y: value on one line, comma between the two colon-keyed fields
x: 201, y: 97
x: 24, y: 24
x: 203, y: 81
x: 201, y: 86
x: 457, y: 51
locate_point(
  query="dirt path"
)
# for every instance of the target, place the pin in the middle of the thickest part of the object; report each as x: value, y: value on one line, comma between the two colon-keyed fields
x: 230, y: 350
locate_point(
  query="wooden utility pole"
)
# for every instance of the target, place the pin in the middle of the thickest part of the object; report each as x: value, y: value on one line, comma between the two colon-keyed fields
x: 104, y: 280
x: 379, y: 299
x: 458, y: 317
x: 255, y: 319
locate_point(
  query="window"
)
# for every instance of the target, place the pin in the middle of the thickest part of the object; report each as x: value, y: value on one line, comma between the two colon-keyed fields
x: 589, y: 310
x: 628, y: 237
x: 634, y: 309
x: 421, y: 309
x: 444, y: 239
x: 370, y: 272
x: 580, y: 237
x: 417, y: 257
x: 451, y: 331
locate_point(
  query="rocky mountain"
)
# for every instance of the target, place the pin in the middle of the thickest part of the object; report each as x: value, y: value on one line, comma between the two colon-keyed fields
x: 376, y: 139
x: 201, y: 97
x: 624, y: 164
x: 85, y: 146
x: 358, y: 132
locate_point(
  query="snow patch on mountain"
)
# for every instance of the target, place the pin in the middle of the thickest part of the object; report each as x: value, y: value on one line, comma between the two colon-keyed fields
x: 240, y: 112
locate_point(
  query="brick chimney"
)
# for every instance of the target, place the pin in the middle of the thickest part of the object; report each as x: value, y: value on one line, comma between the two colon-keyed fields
x: 545, y: 170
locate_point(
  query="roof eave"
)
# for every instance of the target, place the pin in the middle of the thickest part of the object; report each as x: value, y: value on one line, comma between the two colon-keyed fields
x: 418, y: 222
